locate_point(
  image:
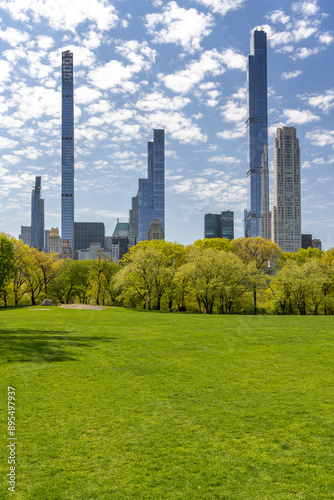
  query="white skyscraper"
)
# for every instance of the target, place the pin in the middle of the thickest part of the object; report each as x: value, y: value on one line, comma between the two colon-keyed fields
x: 286, y: 212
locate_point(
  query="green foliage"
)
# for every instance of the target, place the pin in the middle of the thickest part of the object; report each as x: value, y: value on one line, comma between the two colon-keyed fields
x: 247, y: 275
x: 6, y: 261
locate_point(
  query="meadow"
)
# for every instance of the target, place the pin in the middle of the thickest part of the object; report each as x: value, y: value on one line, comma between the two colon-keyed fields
x: 125, y: 404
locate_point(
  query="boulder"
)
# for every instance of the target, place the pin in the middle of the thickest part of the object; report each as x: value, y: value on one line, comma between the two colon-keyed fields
x: 47, y: 302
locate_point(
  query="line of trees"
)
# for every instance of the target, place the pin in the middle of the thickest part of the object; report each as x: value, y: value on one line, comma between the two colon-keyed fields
x: 244, y: 276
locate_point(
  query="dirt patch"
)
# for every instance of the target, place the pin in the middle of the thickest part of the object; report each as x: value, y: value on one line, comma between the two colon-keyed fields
x: 82, y: 306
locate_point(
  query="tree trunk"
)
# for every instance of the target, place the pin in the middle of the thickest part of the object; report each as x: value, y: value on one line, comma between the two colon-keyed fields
x: 254, y: 296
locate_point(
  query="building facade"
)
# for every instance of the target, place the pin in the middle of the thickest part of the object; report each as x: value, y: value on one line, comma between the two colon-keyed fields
x: 37, y: 215
x: 149, y: 203
x: 155, y: 231
x: 86, y: 233
x: 25, y: 235
x: 67, y: 154
x: 54, y: 241
x: 94, y: 252
x: 219, y: 225
x: 286, y: 212
x: 258, y: 215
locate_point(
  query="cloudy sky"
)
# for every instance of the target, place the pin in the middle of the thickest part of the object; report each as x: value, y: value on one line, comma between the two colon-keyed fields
x: 178, y: 65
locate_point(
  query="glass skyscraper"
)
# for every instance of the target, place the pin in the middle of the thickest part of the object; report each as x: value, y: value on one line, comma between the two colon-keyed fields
x: 150, y: 200
x: 219, y: 225
x: 67, y: 142
x: 258, y: 216
x: 37, y: 215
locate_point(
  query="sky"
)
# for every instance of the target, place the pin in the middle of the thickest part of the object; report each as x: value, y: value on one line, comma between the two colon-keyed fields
x: 178, y: 65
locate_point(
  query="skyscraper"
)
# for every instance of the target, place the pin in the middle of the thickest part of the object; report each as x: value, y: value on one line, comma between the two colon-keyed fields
x: 219, y: 225
x: 37, y: 215
x: 86, y: 233
x: 286, y: 212
x: 149, y: 203
x: 67, y: 142
x: 258, y: 216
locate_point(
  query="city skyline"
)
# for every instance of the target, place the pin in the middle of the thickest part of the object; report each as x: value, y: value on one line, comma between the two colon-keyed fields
x: 137, y: 68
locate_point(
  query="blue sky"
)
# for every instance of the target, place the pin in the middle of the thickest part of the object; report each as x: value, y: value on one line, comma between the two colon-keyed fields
x: 177, y: 65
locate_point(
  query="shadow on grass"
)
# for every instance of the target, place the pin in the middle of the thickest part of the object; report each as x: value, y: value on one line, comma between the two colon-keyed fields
x: 38, y: 346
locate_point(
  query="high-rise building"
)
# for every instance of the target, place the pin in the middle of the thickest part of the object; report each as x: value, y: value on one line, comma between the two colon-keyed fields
x: 286, y: 212
x: 86, y: 233
x: 219, y: 225
x: 54, y: 241
x: 37, y: 215
x: 155, y: 231
x: 25, y: 235
x: 227, y: 224
x: 211, y: 226
x: 258, y: 215
x: 67, y: 158
x: 306, y: 241
x: 149, y: 203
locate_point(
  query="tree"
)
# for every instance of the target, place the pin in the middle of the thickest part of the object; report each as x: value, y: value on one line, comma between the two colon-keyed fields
x: 232, y: 275
x: 216, y: 243
x: 6, y: 263
x: 72, y: 281
x: 262, y: 252
x: 202, y: 272
x: 143, y: 276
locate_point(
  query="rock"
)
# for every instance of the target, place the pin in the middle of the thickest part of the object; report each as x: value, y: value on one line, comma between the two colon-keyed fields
x: 47, y: 302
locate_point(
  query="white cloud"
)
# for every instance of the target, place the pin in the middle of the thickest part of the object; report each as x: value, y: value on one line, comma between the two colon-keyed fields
x: 224, y: 159
x: 30, y: 152
x: 6, y: 143
x: 179, y: 26
x: 13, y: 36
x: 304, y: 29
x: 45, y: 42
x: 234, y: 111
x: 5, y: 70
x: 12, y: 159
x: 278, y: 16
x: 304, y: 52
x: 236, y: 133
x: 118, y: 77
x: 222, y: 6
x: 323, y: 101
x: 291, y: 74
x: 34, y: 102
x: 211, y: 62
x: 296, y: 117
x: 64, y: 15
x: 321, y: 137
x: 212, y: 190
x: 177, y: 126
x: 99, y: 107
x: 86, y: 95
x: 157, y: 101
x: 327, y: 38
x: 308, y: 8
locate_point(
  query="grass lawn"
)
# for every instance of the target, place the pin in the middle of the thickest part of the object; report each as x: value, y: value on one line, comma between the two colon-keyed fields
x: 121, y: 404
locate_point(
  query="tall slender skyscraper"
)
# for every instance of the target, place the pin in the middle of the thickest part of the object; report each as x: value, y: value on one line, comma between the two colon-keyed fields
x: 37, y: 215
x: 149, y: 203
x: 258, y: 216
x: 286, y: 212
x: 67, y: 158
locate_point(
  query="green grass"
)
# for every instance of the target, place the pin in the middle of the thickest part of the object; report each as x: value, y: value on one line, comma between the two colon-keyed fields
x: 121, y: 404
